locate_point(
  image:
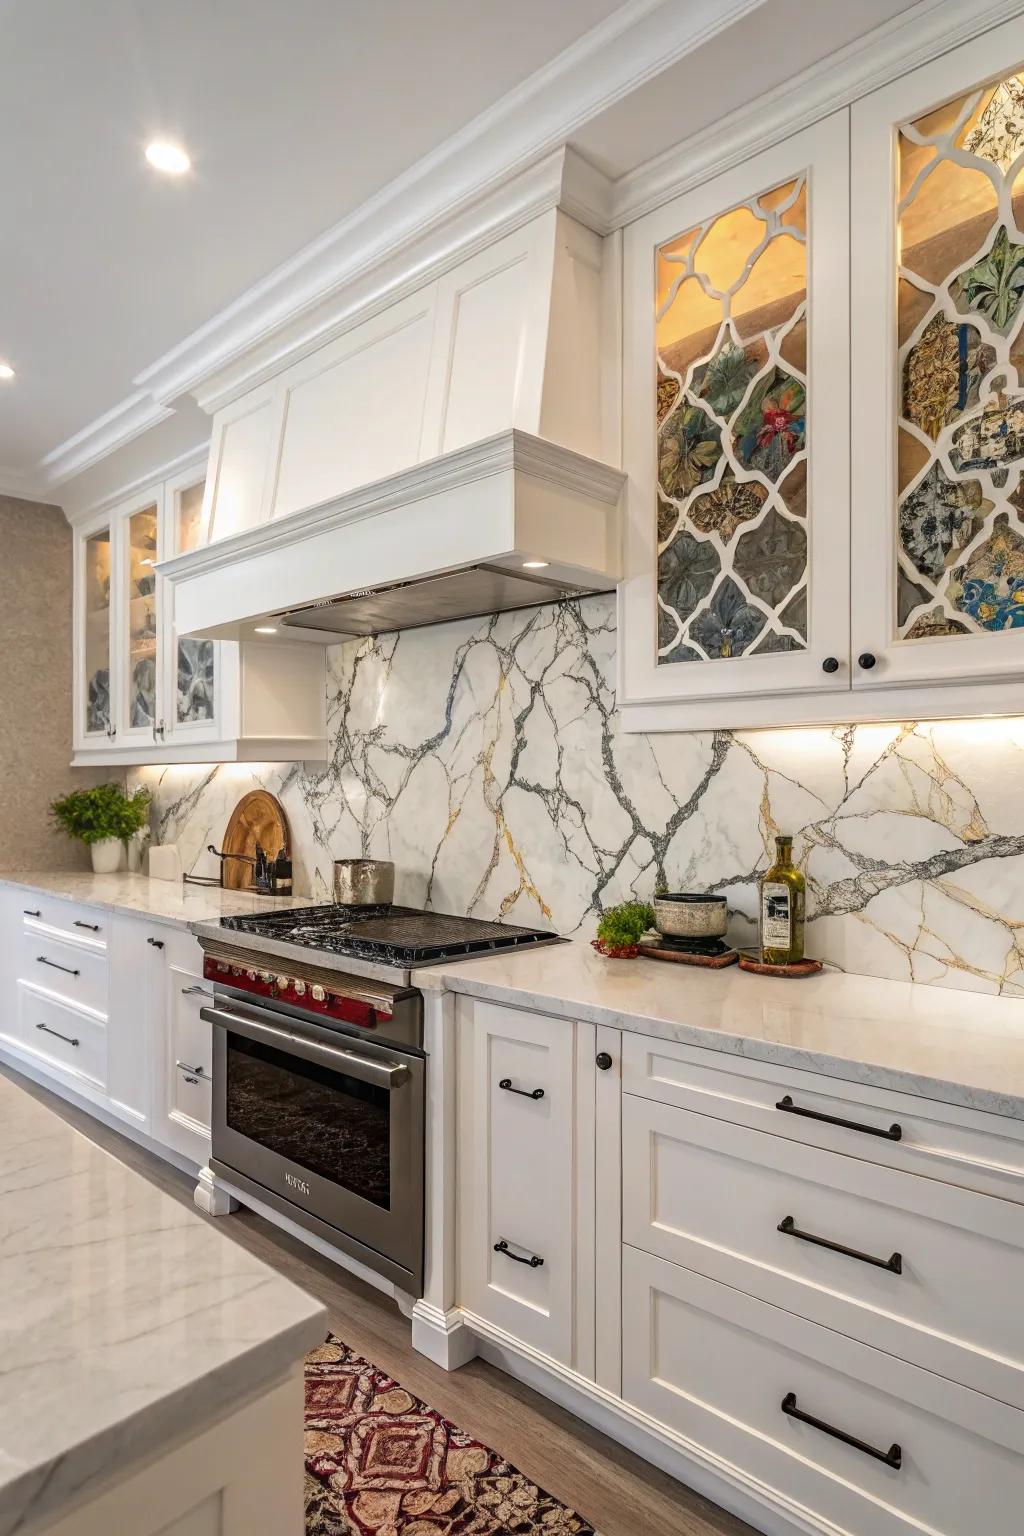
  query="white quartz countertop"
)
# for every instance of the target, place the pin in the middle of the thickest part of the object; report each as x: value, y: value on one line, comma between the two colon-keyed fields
x: 164, y: 901
x: 127, y: 1320
x: 963, y: 1048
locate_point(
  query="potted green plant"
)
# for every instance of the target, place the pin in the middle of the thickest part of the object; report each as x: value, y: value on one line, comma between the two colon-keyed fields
x: 104, y: 818
x: 621, y: 928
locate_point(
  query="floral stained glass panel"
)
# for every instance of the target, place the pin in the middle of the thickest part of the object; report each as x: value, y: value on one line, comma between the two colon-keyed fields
x: 733, y: 430
x: 959, y: 530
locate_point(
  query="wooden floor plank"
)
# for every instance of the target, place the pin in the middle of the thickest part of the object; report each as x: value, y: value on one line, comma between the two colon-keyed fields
x: 618, y: 1492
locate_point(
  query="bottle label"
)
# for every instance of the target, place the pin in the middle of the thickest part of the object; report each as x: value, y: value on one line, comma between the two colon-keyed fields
x: 776, y: 932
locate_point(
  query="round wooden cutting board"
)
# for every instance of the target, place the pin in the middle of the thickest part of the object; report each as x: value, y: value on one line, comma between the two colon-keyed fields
x: 257, y: 818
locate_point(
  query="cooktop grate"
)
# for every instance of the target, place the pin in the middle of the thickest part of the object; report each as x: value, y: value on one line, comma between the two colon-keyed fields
x: 394, y: 935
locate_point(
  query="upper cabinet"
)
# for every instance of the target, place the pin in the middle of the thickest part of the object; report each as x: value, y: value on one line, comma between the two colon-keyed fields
x: 823, y: 419
x: 736, y: 433
x: 938, y: 357
x: 144, y: 695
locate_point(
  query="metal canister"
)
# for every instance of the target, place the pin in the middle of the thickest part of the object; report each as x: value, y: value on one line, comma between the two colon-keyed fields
x: 364, y: 882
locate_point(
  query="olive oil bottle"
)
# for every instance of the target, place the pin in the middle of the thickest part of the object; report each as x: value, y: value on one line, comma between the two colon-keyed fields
x: 783, y: 890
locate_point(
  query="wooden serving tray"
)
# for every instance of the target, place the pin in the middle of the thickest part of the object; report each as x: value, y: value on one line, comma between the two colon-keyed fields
x: 654, y: 951
x: 752, y: 962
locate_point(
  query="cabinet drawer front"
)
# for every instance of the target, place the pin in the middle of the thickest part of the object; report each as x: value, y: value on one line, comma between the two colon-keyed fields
x: 190, y: 1054
x: 62, y: 1036
x: 516, y: 1186
x: 933, y: 1274
x: 941, y: 1141
x: 73, y: 972
x: 45, y: 914
x: 716, y: 1366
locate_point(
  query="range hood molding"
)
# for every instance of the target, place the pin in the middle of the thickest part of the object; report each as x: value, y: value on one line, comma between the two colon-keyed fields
x: 510, y: 498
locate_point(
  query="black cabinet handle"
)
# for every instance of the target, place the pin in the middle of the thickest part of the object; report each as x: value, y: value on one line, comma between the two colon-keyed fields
x: 67, y: 1038
x: 42, y: 960
x: 92, y: 927
x: 534, y: 1260
x: 866, y: 660
x: 603, y: 1060
x: 156, y: 943
x: 894, y: 1132
x: 29, y: 913
x: 830, y: 664
x: 789, y: 1227
x: 524, y: 1093
x: 893, y: 1457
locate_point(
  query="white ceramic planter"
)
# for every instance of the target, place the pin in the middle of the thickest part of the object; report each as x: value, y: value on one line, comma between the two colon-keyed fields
x: 107, y: 855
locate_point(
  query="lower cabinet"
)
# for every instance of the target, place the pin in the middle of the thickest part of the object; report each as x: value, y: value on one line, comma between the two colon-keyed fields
x: 857, y: 1437
x: 182, y: 1081
x: 523, y: 1181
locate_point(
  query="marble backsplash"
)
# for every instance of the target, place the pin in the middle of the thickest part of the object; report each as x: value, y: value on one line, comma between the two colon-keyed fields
x: 485, y: 758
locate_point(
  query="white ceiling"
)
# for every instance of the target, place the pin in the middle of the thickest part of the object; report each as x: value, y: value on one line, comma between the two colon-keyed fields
x: 295, y: 112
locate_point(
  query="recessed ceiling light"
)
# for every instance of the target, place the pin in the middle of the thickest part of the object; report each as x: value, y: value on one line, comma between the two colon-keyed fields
x: 6, y: 371
x: 535, y: 565
x: 265, y: 629
x: 165, y: 156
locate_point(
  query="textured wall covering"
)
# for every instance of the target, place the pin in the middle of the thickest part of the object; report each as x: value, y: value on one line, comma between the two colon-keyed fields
x: 35, y: 686
x: 485, y: 758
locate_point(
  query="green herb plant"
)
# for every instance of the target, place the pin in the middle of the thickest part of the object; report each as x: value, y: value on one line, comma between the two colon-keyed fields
x: 625, y: 924
x: 92, y: 815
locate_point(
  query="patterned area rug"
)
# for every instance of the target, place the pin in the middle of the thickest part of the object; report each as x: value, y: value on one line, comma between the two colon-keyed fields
x: 381, y: 1463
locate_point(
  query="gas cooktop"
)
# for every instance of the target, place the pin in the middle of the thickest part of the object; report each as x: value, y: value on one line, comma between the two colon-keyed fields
x: 399, y: 936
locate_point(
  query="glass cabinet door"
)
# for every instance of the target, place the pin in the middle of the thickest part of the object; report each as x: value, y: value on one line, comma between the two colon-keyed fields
x: 734, y: 399
x: 940, y: 154
x: 96, y: 705
x: 137, y: 530
x: 195, y: 660
x: 193, y: 677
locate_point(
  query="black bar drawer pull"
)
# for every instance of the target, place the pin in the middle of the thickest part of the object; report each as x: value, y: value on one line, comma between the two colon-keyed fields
x: 893, y: 1457
x: 524, y: 1093
x: 29, y: 913
x: 156, y: 943
x: 67, y: 1038
x: 894, y: 1133
x: 534, y: 1261
x: 789, y: 1227
x: 92, y: 927
x: 42, y: 960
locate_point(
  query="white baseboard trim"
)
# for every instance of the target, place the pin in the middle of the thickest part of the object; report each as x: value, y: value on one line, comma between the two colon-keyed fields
x: 443, y: 1337
x: 726, y: 1485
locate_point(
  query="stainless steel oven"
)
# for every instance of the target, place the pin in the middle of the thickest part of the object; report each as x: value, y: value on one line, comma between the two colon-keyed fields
x: 322, y: 1119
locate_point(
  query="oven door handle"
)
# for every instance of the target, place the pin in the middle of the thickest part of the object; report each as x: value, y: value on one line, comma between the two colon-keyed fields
x: 350, y: 1062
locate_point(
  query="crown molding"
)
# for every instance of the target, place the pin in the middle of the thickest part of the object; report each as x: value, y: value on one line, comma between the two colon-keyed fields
x: 135, y: 415
x: 192, y: 458
x: 636, y: 42
x: 929, y: 29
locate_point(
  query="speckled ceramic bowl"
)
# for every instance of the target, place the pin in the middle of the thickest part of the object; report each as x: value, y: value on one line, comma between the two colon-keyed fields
x: 690, y: 915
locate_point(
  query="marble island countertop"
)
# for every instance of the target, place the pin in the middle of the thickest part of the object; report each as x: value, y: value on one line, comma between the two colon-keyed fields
x: 164, y: 901
x: 963, y: 1048
x: 128, y: 1321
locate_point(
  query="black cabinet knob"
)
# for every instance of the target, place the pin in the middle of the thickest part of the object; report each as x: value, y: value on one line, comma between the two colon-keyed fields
x: 830, y: 664
x: 603, y: 1060
x: 866, y: 660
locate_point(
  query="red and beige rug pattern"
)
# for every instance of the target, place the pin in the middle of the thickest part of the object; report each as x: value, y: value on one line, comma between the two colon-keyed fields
x: 381, y: 1463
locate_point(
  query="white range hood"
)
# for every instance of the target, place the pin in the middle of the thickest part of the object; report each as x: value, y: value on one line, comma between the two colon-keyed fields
x: 441, y: 459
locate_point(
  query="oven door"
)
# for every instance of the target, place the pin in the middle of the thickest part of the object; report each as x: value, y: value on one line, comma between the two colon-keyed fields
x: 329, y: 1130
